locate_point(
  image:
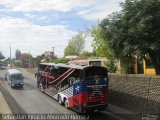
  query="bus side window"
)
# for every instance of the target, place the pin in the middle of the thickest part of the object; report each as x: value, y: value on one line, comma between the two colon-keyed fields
x: 54, y: 72
x: 76, y: 74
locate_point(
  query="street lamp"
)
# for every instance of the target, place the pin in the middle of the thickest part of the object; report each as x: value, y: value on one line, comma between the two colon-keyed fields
x: 10, y: 56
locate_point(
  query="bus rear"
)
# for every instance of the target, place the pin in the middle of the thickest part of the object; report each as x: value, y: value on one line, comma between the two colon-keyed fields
x: 91, y: 93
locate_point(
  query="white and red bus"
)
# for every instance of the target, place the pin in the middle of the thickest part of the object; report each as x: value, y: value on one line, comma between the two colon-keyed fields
x: 81, y: 88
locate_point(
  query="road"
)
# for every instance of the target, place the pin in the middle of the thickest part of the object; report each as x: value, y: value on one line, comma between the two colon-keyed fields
x: 29, y: 100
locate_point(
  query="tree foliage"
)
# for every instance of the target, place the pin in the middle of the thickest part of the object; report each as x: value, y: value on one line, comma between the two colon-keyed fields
x: 135, y: 30
x: 38, y: 59
x: 99, y: 43
x: 1, y: 56
x: 102, y: 49
x: 86, y: 54
x: 26, y: 60
x: 17, y: 54
x: 75, y: 45
x: 59, y: 60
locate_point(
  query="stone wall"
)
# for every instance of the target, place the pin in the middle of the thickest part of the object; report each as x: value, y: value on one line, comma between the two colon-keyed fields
x: 137, y: 93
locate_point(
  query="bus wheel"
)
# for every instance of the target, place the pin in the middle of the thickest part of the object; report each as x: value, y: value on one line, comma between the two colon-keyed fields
x: 41, y: 87
x: 38, y: 79
x: 66, y: 103
x: 59, y: 100
x: 38, y: 85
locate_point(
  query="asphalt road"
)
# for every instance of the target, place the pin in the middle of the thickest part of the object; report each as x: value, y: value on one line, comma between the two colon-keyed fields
x: 29, y: 100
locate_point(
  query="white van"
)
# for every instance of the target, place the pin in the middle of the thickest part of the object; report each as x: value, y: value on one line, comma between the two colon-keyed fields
x: 14, y: 78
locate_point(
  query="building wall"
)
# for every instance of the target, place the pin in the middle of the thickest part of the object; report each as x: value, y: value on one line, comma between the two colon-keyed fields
x: 148, y: 71
x: 137, y: 93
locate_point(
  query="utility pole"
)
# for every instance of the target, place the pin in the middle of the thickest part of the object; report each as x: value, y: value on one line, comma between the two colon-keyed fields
x: 53, y: 52
x: 10, y: 56
x: 29, y: 61
x: 53, y: 49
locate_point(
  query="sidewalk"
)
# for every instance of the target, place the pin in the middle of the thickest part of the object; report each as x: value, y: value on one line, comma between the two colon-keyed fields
x: 4, y: 108
x: 118, y: 110
x: 123, y: 113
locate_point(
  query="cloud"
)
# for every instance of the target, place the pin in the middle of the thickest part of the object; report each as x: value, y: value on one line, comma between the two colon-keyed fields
x: 27, y: 37
x: 41, y: 5
x: 23, y: 23
x: 88, y: 9
x: 101, y: 9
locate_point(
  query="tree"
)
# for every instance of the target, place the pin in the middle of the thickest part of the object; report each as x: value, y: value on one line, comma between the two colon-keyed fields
x: 75, y: 45
x: 99, y: 44
x: 17, y: 54
x: 59, y: 60
x: 26, y: 60
x: 38, y: 59
x: 86, y: 54
x: 1, y: 56
x: 102, y: 49
x: 135, y: 30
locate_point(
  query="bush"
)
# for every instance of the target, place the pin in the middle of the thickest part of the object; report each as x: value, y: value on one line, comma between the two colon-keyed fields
x: 60, y: 60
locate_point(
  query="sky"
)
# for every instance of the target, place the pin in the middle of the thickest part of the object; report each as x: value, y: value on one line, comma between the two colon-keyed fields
x: 35, y: 26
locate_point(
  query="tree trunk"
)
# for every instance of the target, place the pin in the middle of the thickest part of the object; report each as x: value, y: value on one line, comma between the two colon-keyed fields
x: 155, y: 60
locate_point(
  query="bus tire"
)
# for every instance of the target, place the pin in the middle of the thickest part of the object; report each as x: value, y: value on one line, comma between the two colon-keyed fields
x: 38, y: 81
x: 21, y: 86
x: 5, y: 77
x: 66, y: 103
x: 41, y: 87
x: 60, y: 100
x: 37, y: 84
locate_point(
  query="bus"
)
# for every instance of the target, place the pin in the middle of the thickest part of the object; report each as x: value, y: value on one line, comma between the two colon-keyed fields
x: 81, y: 88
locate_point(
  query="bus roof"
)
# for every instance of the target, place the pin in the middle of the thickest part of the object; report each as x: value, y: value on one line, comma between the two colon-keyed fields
x: 66, y: 65
x: 14, y: 71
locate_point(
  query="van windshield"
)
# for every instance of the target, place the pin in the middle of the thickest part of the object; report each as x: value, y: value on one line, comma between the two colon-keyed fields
x: 16, y: 77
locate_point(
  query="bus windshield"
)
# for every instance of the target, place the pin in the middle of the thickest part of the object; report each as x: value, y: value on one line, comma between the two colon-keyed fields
x: 95, y: 72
